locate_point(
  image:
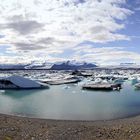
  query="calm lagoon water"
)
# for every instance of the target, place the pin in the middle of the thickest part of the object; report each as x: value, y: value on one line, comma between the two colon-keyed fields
x: 71, y: 103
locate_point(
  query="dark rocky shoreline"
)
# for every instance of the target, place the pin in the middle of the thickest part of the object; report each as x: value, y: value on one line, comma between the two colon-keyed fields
x: 22, y: 128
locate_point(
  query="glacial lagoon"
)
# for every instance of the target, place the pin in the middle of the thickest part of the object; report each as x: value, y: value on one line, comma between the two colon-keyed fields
x: 70, y: 102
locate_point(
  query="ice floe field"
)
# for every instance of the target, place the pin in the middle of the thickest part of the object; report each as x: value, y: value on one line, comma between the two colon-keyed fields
x: 65, y: 99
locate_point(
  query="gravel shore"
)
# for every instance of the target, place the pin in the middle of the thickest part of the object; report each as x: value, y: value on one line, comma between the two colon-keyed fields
x: 22, y: 128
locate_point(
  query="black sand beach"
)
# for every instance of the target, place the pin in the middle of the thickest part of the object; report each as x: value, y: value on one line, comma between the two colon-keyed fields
x: 22, y: 128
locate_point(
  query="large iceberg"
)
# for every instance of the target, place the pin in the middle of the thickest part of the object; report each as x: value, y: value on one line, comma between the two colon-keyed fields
x: 18, y: 82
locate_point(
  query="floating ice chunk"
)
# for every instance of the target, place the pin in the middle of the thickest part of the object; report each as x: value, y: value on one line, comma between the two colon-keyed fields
x: 66, y: 87
x: 2, y: 91
x: 20, y: 82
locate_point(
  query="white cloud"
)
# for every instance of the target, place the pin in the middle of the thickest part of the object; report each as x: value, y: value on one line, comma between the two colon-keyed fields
x: 49, y: 27
x: 105, y: 55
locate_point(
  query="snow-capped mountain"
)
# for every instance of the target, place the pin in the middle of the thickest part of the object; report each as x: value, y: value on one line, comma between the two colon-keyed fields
x: 72, y: 65
x: 39, y: 65
x: 12, y: 66
x: 65, y: 65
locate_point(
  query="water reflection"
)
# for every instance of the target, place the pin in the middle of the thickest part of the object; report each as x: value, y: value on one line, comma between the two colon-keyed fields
x: 71, y: 103
x: 20, y: 93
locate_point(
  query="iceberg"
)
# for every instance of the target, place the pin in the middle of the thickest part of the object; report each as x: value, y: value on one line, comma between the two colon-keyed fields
x: 18, y: 82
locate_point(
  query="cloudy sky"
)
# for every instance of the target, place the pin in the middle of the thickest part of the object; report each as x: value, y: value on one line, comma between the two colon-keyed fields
x: 101, y: 31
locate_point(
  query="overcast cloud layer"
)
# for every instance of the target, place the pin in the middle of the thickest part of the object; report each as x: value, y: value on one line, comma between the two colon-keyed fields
x: 56, y: 30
